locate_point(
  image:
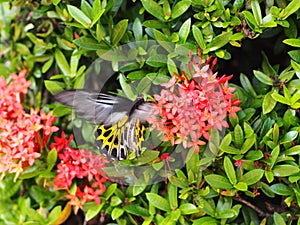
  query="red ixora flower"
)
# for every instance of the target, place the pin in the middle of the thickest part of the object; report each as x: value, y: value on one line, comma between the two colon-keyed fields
x: 186, y: 109
x: 79, y: 165
x: 22, y: 135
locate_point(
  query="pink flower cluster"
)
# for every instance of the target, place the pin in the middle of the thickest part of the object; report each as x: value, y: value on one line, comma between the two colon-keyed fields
x: 82, y: 166
x: 22, y: 135
x: 187, y: 109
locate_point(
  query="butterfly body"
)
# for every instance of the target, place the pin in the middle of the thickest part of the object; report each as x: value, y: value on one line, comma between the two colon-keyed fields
x: 120, y: 121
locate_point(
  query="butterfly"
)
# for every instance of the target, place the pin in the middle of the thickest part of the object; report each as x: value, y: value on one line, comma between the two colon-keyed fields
x: 120, y: 121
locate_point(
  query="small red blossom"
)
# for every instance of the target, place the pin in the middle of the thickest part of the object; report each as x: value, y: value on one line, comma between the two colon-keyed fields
x: 238, y: 163
x: 21, y: 134
x: 186, y: 109
x: 79, y: 164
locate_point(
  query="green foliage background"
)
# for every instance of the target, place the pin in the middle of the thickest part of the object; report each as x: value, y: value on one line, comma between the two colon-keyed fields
x: 57, y: 41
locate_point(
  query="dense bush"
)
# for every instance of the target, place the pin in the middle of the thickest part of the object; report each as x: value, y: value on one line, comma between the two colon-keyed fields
x: 243, y: 171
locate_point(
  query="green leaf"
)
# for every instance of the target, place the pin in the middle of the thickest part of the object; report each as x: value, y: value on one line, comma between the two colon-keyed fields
x: 51, y: 159
x: 295, y: 55
x: 97, y: 11
x: 110, y: 191
x: 218, y: 42
x: 188, y: 208
x: 295, y: 150
x: 137, y: 29
x: 256, y: 11
x: 241, y: 186
x: 139, y: 186
x: 118, y: 32
x: 229, y: 170
x: 278, y: 220
x: 282, y: 189
x: 253, y: 176
x: 263, y: 77
x: 158, y: 201
x: 268, y: 103
x: 247, y: 85
x: 184, y: 31
x: 248, y: 143
x: 172, y: 68
x: 279, y: 98
x: 157, y: 60
x: 198, y: 37
x: 79, y: 16
x: 292, y: 42
x: 172, y: 196
x: 137, y: 210
x: 126, y: 88
x: 180, y: 8
x: 289, y: 137
x: 206, y: 220
x: 218, y: 181
x: 90, y: 44
x: 116, y: 213
x: 292, y: 7
x: 62, y: 62
x: 285, y: 170
x: 54, y: 86
x: 238, y: 135
x: 94, y: 211
x: 154, y: 9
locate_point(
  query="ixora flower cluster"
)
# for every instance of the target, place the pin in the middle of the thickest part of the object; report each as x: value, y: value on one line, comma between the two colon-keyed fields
x: 187, y: 109
x: 82, y: 165
x: 22, y: 135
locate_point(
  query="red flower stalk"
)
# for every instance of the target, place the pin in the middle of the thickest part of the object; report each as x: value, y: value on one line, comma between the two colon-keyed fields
x: 20, y: 141
x: 187, y: 109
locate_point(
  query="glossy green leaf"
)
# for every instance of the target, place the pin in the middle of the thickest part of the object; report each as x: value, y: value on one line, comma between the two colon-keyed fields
x: 248, y: 143
x: 295, y: 55
x: 158, y: 201
x: 295, y: 150
x: 268, y: 103
x: 51, y: 159
x: 256, y: 11
x: 110, y: 190
x: 188, y: 208
x: 289, y: 137
x: 54, y: 86
x: 292, y: 7
x: 263, y: 77
x: 126, y: 88
x: 118, y: 32
x: 218, y: 41
x: 157, y: 60
x: 229, y: 170
x: 184, y: 31
x: 136, y: 209
x: 247, y: 85
x: 253, y: 176
x: 198, y: 36
x: 62, y: 62
x: 238, y: 135
x: 94, y: 211
x: 241, y: 186
x: 154, y: 9
x: 180, y: 8
x: 172, y: 196
x: 285, y: 170
x: 218, y: 181
x: 79, y: 16
x: 281, y: 189
x: 206, y: 220
x: 278, y: 220
x: 116, y: 213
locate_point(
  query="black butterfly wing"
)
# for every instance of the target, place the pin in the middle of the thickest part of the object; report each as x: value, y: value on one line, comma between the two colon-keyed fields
x: 121, y: 120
